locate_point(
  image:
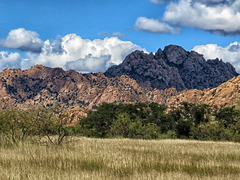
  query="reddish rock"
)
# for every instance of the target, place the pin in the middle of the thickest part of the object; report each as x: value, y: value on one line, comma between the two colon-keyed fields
x: 41, y: 85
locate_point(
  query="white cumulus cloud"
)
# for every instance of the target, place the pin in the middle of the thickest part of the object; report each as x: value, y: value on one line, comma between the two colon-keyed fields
x: 217, y: 16
x: 22, y: 39
x: 9, y: 60
x: 84, y: 55
x: 89, y: 64
x: 154, y: 26
x: 230, y: 54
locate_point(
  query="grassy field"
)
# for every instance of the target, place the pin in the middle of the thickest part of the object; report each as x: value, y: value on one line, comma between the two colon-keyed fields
x: 88, y: 158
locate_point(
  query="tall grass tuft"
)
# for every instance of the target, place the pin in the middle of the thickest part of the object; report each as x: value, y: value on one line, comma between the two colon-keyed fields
x: 88, y: 158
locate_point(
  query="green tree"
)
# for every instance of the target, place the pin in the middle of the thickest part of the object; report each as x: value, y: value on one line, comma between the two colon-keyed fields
x: 126, y: 127
x: 227, y: 116
x: 15, y: 125
x: 151, y: 131
x: 51, y: 123
x: 212, y: 131
x: 98, y: 122
x: 183, y: 128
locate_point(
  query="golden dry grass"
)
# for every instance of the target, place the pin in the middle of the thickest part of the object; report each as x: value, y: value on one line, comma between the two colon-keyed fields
x: 88, y: 158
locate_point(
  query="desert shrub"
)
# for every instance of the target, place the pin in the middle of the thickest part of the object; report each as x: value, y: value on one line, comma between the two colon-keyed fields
x: 15, y: 125
x: 134, y: 118
x: 52, y: 124
x: 125, y: 127
x: 212, y: 131
x: 151, y: 131
x: 98, y: 123
x: 171, y: 134
x: 197, y: 113
x: 227, y: 116
x: 18, y: 125
x: 183, y: 128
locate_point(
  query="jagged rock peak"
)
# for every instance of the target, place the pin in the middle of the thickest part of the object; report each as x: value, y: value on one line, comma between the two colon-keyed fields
x: 159, y: 54
x: 175, y: 54
x: 174, y: 48
x: 173, y: 67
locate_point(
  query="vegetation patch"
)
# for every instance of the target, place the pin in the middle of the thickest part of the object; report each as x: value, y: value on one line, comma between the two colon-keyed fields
x: 154, y: 121
x: 88, y: 158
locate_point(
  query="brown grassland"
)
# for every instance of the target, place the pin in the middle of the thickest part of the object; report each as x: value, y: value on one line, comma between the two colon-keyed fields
x: 89, y: 158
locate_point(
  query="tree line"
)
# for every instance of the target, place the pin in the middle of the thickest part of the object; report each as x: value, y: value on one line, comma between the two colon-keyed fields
x: 140, y: 120
x: 153, y: 121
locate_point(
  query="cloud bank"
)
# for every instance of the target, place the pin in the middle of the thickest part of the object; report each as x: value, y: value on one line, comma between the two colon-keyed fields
x: 84, y: 55
x: 23, y: 40
x: 216, y: 16
x: 230, y: 54
x: 68, y: 52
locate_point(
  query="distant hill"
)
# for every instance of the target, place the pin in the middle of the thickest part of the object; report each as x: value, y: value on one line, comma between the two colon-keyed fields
x: 47, y: 86
x: 173, y: 67
x: 42, y: 85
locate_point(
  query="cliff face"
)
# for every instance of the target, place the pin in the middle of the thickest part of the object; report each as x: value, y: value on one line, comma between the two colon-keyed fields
x: 173, y: 68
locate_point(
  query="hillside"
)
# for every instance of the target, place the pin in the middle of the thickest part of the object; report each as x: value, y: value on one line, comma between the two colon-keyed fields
x: 41, y: 85
x: 227, y: 93
x: 173, y: 67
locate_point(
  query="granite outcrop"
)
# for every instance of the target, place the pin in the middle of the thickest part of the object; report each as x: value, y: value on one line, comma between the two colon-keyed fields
x: 173, y: 67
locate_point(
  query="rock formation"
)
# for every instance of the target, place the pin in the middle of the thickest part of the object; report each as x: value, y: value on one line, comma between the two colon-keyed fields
x: 48, y: 86
x: 41, y: 85
x: 226, y: 94
x: 173, y: 67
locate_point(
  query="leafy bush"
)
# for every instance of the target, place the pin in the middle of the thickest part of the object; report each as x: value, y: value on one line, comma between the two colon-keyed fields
x: 151, y: 121
x: 214, y: 131
x: 18, y: 125
x: 125, y: 127
x: 140, y: 120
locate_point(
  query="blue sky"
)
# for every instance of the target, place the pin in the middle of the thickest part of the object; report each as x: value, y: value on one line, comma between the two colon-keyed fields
x: 144, y: 24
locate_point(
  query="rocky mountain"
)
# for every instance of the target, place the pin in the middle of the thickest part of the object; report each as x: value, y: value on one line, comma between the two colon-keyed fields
x: 47, y: 86
x: 41, y: 85
x: 173, y: 67
x: 227, y: 94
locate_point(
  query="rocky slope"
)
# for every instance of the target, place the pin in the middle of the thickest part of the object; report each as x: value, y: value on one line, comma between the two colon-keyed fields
x: 173, y: 67
x: 226, y: 94
x: 47, y: 86
x: 41, y: 85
